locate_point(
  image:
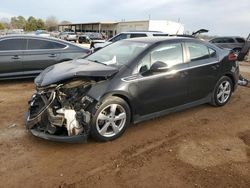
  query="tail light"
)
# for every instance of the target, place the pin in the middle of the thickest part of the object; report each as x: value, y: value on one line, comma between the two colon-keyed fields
x: 232, y: 56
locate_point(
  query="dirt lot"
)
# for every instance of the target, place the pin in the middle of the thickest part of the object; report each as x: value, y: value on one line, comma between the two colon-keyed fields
x: 199, y: 147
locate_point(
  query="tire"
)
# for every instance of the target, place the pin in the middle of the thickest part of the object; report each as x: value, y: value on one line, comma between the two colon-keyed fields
x: 237, y: 51
x: 104, y: 127
x: 222, y: 92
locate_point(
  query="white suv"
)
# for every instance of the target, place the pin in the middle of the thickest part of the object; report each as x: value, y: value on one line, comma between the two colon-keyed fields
x: 69, y: 36
x: 127, y: 35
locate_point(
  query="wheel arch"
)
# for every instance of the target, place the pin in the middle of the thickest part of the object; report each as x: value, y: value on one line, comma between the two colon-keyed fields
x: 231, y: 78
x: 125, y: 97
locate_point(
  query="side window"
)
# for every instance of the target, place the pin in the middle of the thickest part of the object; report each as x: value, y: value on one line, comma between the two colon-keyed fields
x: 212, y: 52
x: 136, y: 35
x: 170, y: 54
x: 35, y: 44
x: 119, y: 37
x: 198, y: 51
x: 240, y: 40
x: 217, y: 40
x: 229, y: 40
x: 13, y: 44
x: 160, y: 35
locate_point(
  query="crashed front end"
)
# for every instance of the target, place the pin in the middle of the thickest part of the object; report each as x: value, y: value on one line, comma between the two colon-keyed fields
x: 61, y: 112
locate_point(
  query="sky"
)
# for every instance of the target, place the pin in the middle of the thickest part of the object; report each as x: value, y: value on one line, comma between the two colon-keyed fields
x: 220, y: 17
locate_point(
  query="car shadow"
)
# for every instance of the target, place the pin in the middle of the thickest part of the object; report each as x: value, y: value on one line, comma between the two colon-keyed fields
x: 17, y: 81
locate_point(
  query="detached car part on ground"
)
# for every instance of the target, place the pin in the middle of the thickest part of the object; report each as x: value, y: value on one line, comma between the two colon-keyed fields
x: 128, y: 82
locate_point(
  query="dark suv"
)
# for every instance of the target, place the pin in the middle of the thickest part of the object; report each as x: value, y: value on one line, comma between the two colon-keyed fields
x: 233, y: 43
x: 127, y: 82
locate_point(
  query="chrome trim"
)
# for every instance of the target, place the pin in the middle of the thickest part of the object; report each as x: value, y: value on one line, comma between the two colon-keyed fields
x: 172, y: 72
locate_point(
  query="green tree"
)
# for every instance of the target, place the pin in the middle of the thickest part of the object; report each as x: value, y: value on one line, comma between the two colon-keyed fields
x: 18, y: 22
x: 2, y: 27
x: 40, y: 24
x: 21, y: 22
x: 31, y: 24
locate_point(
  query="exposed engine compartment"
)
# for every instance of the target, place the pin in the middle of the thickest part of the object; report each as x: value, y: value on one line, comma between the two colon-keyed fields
x: 64, y: 109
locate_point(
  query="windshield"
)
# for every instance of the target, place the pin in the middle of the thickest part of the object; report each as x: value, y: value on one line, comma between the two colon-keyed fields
x: 119, y: 53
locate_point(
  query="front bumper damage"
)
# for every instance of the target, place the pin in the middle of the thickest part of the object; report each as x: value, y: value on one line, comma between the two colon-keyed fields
x: 43, y: 106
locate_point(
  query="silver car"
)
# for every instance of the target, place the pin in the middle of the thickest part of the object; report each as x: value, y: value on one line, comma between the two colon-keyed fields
x: 233, y: 43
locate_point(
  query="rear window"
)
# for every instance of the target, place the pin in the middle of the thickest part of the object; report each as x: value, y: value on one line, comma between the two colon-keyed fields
x: 35, y: 44
x: 240, y: 40
x: 13, y: 44
x: 198, y: 51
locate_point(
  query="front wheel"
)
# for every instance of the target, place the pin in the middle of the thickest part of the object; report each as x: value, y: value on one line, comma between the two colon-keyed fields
x: 110, y: 120
x: 222, y: 92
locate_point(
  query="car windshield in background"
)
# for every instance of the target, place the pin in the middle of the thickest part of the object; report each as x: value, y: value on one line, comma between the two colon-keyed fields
x: 119, y: 53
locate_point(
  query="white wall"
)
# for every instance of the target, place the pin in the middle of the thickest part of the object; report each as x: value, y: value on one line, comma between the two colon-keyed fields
x: 166, y: 26
x: 132, y: 26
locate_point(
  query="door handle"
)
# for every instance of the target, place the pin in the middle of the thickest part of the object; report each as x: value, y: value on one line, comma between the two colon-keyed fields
x: 184, y: 74
x: 52, y: 55
x: 15, y: 57
x: 215, y: 67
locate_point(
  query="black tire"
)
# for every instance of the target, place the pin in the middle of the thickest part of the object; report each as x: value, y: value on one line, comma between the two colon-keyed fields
x: 237, y: 51
x: 218, y: 101
x: 95, y: 133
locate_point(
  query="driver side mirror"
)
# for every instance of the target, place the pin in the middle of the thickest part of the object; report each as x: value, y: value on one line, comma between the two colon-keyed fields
x: 159, y: 66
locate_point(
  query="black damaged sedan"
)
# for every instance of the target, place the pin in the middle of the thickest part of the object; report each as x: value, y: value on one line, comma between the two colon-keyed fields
x: 128, y: 82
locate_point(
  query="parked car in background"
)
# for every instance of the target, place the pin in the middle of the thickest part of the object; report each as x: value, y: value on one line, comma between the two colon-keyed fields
x: 26, y: 56
x: 127, y: 35
x: 127, y: 82
x: 68, y: 36
x: 91, y: 38
x: 233, y: 43
x: 42, y: 33
x: 55, y: 34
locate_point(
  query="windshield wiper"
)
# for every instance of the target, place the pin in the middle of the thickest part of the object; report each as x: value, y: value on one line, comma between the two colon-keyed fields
x: 96, y: 61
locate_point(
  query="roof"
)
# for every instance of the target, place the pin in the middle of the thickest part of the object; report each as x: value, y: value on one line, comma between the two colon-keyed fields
x: 143, y: 31
x: 37, y: 37
x: 159, y: 39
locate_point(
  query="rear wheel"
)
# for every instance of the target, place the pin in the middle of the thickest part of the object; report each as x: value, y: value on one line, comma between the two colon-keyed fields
x: 222, y: 92
x: 110, y: 120
x: 237, y: 51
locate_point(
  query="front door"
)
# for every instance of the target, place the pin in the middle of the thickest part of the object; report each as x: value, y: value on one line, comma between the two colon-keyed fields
x: 162, y: 90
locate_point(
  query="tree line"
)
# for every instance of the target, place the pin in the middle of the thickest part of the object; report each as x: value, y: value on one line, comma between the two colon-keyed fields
x: 30, y: 24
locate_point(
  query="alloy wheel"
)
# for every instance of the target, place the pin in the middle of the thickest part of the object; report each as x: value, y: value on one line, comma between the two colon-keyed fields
x: 224, y: 92
x: 111, y: 120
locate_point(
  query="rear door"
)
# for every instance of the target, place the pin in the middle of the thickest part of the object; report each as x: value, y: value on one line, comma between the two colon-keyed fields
x: 203, y: 70
x: 11, y: 56
x: 40, y: 54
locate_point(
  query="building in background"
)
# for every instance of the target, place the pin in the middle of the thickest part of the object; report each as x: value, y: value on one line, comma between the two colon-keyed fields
x: 112, y: 28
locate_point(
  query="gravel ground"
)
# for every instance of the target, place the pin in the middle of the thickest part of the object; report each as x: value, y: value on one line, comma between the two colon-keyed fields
x: 200, y: 147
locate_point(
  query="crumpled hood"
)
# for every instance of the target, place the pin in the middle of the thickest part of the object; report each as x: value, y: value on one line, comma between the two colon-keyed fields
x: 73, y: 69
